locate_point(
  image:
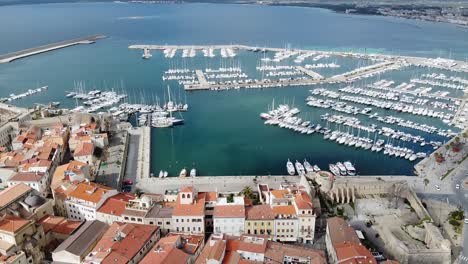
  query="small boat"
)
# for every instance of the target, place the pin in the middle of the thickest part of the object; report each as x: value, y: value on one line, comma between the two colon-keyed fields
x: 165, y: 174
x: 342, y: 168
x: 349, y: 168
x: 193, y: 172
x: 183, y: 173
x: 161, y: 174
x: 308, y: 167
x: 316, y: 168
x: 299, y: 168
x: 334, y: 169
x: 290, y: 167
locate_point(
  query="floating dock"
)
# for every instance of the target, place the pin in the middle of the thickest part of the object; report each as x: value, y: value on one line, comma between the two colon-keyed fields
x: 9, y: 57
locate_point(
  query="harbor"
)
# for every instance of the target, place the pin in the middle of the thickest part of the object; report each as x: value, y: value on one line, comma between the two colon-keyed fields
x: 6, y: 58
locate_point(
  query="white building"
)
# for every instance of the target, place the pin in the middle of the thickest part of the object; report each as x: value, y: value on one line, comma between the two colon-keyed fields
x: 83, y: 202
x: 35, y: 180
x: 188, y: 215
x: 229, y: 218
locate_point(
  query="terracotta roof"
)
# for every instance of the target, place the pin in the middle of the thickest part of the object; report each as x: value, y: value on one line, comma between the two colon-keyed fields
x: 89, y: 191
x: 279, y: 193
x: 124, y: 241
x: 27, y: 177
x: 165, y: 254
x: 84, y: 149
x: 214, y: 249
x: 353, y: 253
x: 390, y: 262
x: 303, y: 201
x: 211, y: 196
x: 12, y: 193
x: 58, y: 224
x: 190, y: 244
x: 260, y: 212
x: 115, y: 205
x: 340, y: 231
x: 284, y: 210
x: 248, y: 243
x: 276, y: 252
x: 195, y: 209
x: 60, y: 172
x: 229, y: 211
x: 12, y: 223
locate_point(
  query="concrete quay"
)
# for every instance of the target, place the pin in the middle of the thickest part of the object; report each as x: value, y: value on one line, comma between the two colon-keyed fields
x: 9, y: 57
x: 310, y: 73
x: 212, y: 183
x: 448, y: 64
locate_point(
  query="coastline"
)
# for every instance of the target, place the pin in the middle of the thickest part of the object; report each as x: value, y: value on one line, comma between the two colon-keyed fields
x: 338, y: 7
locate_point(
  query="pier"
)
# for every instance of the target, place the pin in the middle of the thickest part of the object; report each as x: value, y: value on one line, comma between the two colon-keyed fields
x: 201, y: 78
x: 310, y: 73
x: 446, y: 64
x: 9, y: 57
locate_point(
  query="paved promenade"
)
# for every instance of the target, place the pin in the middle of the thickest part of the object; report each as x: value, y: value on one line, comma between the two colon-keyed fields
x: 212, y: 183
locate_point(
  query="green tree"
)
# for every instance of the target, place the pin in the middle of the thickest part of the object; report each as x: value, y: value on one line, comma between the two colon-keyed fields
x: 426, y: 182
x: 247, y: 192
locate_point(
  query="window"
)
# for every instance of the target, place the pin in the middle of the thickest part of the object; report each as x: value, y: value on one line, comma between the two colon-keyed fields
x: 151, y: 223
x: 183, y: 196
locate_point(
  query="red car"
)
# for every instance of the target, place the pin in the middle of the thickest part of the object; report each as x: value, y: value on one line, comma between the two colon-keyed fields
x: 128, y: 182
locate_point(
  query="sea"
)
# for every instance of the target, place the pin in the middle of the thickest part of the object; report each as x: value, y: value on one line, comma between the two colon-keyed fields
x: 222, y: 134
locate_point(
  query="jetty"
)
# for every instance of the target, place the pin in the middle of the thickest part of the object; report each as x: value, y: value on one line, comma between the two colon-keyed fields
x: 9, y: 57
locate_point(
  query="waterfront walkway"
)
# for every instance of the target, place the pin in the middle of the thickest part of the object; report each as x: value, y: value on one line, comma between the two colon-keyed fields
x: 6, y: 58
x: 212, y: 183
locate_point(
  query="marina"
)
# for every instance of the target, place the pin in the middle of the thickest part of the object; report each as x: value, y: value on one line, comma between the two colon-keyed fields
x: 221, y: 134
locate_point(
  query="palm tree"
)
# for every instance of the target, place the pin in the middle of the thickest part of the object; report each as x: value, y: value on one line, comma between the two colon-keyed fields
x: 247, y: 192
x: 426, y: 182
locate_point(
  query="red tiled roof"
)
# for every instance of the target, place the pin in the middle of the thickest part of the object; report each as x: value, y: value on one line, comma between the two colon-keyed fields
x: 165, y: 254
x: 58, y: 224
x: 195, y: 209
x: 229, y: 211
x: 125, y: 246
x: 89, y: 191
x: 27, y: 177
x: 353, y: 253
x: 12, y: 193
x: 12, y: 223
x: 260, y: 212
x: 115, y: 205
x: 284, y: 210
x: 84, y: 149
x: 340, y: 231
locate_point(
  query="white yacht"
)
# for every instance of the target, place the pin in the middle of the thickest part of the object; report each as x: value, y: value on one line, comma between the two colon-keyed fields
x: 308, y: 167
x: 341, y: 168
x: 161, y: 174
x: 193, y: 172
x: 183, y: 173
x: 165, y: 174
x: 349, y: 168
x: 334, y: 169
x: 316, y: 168
x: 290, y: 167
x: 299, y: 168
x: 146, y: 54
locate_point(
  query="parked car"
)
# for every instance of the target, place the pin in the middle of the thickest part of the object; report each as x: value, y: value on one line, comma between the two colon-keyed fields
x: 437, y: 187
x: 457, y: 186
x: 466, y: 220
x: 128, y: 182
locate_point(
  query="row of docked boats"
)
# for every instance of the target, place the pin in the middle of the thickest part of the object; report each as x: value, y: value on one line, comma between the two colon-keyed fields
x: 387, y: 105
x: 342, y: 168
x: 29, y: 92
x: 96, y: 100
x: 182, y: 174
x: 227, y: 53
x: 300, y: 168
x: 322, y: 65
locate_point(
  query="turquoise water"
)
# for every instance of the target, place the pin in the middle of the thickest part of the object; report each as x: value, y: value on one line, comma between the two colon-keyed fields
x: 223, y: 134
